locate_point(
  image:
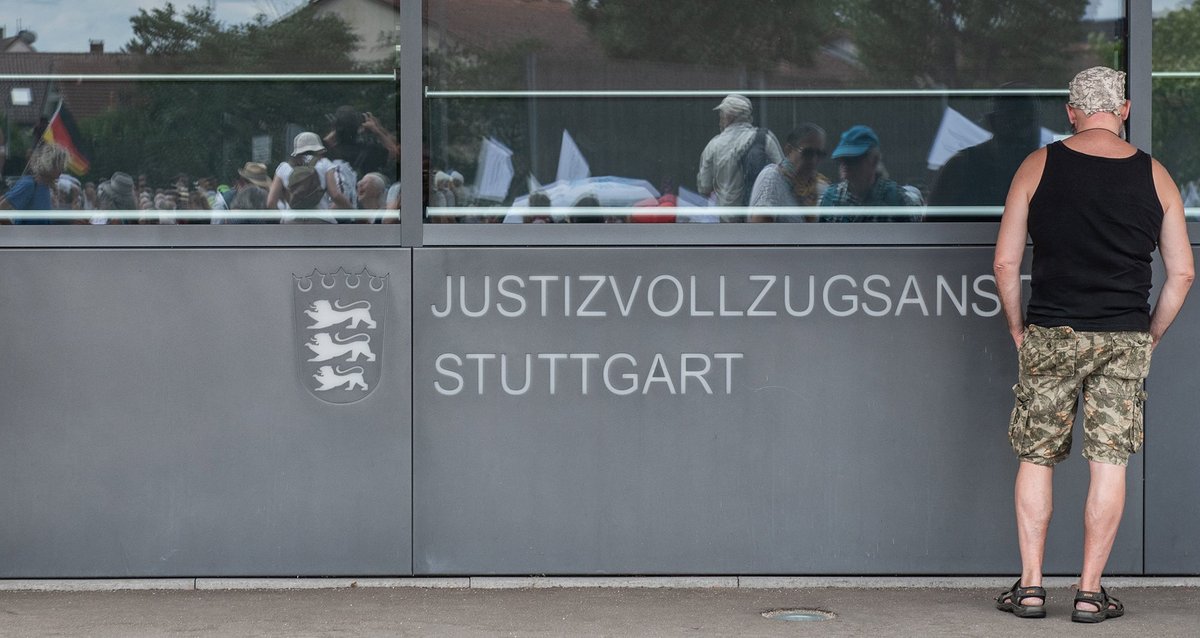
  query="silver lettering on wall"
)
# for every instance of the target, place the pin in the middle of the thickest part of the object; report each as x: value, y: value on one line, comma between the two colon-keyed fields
x: 667, y: 296
x: 651, y: 297
x: 339, y: 320
x: 618, y: 374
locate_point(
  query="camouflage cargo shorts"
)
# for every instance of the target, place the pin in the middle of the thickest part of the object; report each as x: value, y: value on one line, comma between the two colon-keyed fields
x: 1110, y: 367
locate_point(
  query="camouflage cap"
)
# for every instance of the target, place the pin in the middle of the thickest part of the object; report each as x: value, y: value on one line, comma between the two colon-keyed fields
x: 1098, y: 90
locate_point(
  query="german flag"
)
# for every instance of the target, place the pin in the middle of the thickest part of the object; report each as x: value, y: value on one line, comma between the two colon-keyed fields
x: 62, y: 131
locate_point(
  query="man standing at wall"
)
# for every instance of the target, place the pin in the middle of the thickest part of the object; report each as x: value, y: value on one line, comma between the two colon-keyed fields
x: 1096, y: 208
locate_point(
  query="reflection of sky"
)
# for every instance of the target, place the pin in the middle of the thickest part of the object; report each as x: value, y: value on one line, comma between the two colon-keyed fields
x: 67, y: 25
x: 1108, y: 9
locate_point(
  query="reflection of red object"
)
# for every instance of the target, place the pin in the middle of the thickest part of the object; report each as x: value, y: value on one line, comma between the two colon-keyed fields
x: 647, y: 217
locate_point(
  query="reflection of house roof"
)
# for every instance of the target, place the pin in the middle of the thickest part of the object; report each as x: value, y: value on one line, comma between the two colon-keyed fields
x: 570, y: 58
x: 84, y: 98
x: 366, y: 20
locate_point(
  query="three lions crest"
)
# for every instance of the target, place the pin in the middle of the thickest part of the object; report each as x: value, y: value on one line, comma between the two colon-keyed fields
x: 340, y: 328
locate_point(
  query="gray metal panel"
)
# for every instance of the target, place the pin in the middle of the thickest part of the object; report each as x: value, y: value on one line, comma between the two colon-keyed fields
x: 917, y: 234
x: 155, y: 422
x: 924, y: 233
x: 204, y: 235
x: 853, y: 444
x: 1172, y: 443
x: 1141, y: 83
x: 411, y: 81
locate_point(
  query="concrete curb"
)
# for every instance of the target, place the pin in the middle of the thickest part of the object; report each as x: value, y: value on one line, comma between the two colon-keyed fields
x: 328, y: 583
x: 104, y: 584
x: 546, y: 582
x: 626, y: 582
x: 946, y: 582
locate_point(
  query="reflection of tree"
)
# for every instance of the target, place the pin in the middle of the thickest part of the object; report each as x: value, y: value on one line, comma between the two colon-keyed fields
x: 1176, y: 116
x: 964, y: 43
x: 755, y: 34
x: 204, y: 128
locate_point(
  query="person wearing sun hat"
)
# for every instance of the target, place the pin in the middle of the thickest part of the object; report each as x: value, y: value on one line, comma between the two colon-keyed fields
x: 721, y: 171
x: 307, y: 150
x: 255, y: 173
x: 1096, y: 208
x: 250, y: 175
x: 863, y: 183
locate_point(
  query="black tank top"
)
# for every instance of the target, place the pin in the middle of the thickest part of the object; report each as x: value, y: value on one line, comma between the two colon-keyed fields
x: 1094, y: 222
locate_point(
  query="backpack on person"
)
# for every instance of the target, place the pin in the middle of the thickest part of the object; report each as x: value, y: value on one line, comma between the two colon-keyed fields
x: 753, y: 161
x: 304, y: 188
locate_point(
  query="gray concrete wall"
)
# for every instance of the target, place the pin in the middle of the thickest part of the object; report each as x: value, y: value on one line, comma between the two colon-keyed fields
x: 157, y: 420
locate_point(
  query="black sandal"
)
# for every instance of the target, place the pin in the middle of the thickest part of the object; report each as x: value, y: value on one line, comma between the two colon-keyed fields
x: 1106, y: 606
x: 1011, y: 600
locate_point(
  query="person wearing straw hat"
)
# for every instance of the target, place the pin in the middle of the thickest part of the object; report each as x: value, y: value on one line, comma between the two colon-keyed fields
x: 1096, y: 209
x: 250, y: 175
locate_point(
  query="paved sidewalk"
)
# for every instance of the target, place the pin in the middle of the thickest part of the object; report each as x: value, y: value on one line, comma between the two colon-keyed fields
x: 409, y: 611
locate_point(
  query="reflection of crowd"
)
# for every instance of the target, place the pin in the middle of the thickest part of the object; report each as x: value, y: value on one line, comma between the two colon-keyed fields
x: 338, y: 178
x: 743, y: 171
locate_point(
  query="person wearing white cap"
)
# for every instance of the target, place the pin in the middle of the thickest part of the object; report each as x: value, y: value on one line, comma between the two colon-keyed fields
x: 462, y: 194
x: 307, y: 150
x: 1096, y: 208
x: 721, y: 172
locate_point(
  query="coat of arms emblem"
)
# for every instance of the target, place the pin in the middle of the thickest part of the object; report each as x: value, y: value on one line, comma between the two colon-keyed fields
x: 339, y: 324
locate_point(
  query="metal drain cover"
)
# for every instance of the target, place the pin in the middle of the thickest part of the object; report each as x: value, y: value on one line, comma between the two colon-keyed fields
x: 799, y: 615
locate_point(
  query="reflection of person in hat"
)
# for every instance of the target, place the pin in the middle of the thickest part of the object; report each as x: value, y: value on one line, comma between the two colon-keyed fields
x: 980, y: 175
x: 250, y: 175
x: 721, y: 162
x: 859, y: 159
x: 68, y: 194
x: 307, y: 150
x: 1096, y: 208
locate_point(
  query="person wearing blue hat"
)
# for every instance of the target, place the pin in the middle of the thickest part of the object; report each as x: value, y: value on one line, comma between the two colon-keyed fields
x: 863, y: 184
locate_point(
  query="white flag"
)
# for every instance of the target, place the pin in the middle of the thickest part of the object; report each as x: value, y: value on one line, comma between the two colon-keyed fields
x: 1191, y: 197
x: 571, y: 164
x: 690, y: 199
x: 955, y: 133
x: 494, y: 174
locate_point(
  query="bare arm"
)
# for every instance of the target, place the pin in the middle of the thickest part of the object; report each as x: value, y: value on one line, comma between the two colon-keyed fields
x: 1176, y: 251
x: 1010, y: 244
x: 372, y: 124
x: 275, y: 193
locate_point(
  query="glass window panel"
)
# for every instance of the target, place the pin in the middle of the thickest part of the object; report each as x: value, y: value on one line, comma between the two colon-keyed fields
x: 169, y: 111
x: 523, y: 97
x: 1175, y: 103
